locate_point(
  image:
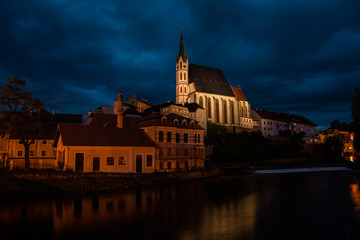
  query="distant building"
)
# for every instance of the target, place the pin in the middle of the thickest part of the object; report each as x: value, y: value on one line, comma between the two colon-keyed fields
x: 274, y: 124
x: 208, y: 87
x: 141, y: 105
x: 42, y: 151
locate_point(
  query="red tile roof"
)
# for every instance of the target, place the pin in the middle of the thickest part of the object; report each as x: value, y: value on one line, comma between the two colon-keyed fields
x: 82, y: 135
x: 239, y: 94
x: 284, y: 117
x: 155, y: 119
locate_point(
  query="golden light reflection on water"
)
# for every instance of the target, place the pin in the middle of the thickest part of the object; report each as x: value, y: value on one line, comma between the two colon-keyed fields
x: 232, y: 219
x: 355, y: 196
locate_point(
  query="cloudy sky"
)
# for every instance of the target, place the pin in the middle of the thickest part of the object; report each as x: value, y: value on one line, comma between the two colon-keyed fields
x: 297, y: 56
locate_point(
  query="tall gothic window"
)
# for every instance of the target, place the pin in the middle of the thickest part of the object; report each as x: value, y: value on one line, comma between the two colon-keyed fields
x: 225, y: 111
x: 232, y: 110
x: 201, y: 101
x: 184, y: 76
x: 209, y: 107
x: 180, y: 89
x: 180, y: 76
x: 216, y: 110
x: 180, y: 65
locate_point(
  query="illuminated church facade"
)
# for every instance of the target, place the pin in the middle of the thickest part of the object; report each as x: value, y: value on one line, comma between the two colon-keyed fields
x: 208, y: 87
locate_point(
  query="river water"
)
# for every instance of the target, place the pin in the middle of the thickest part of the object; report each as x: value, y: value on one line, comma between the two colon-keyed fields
x: 320, y: 205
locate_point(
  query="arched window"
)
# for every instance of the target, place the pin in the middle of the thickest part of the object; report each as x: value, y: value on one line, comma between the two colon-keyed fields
x: 225, y: 111
x: 184, y: 89
x: 232, y: 110
x: 180, y: 89
x: 180, y: 76
x: 201, y: 101
x: 180, y: 65
x: 184, y: 76
x: 209, y: 107
x: 216, y: 111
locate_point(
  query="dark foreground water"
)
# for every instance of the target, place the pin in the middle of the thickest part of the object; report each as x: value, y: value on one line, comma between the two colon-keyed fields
x: 289, y: 206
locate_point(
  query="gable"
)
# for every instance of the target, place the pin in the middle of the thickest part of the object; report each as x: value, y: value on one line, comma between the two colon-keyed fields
x: 209, y: 80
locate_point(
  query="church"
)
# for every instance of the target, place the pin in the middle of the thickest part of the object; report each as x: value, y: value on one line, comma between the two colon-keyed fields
x: 208, y: 87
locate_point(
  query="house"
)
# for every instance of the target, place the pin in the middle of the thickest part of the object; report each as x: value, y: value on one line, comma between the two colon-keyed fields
x: 105, y: 145
x: 42, y: 152
x: 275, y: 124
x: 179, y: 141
x: 104, y: 148
x: 208, y: 87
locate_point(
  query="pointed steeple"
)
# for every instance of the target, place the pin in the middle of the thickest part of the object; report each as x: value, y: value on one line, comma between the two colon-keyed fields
x: 182, y: 49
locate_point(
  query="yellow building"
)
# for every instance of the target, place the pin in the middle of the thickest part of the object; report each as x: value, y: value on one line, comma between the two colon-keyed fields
x: 105, y: 149
x: 42, y: 153
x: 179, y: 141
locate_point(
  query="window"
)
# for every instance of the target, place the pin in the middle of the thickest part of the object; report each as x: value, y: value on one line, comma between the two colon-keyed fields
x: 195, y: 138
x: 149, y: 160
x: 168, y: 136
x: 184, y: 75
x: 184, y: 89
x: 43, y: 153
x: 180, y: 76
x: 180, y: 64
x: 169, y: 165
x: 110, y: 161
x: 161, y: 165
x: 185, y: 138
x: 177, y: 137
x: 32, y: 153
x: 44, y: 142
x: 122, y: 161
x: 161, y: 136
x: 199, y: 139
x: 180, y: 89
x: 20, y: 153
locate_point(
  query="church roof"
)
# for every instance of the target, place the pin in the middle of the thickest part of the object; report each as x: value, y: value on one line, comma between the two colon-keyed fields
x: 209, y: 80
x: 182, y: 50
x: 239, y: 94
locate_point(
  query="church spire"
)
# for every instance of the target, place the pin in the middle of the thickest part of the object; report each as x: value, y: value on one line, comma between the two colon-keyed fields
x: 182, y: 49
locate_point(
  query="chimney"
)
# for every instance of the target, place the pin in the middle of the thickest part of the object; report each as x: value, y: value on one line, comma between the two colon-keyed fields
x: 120, y: 114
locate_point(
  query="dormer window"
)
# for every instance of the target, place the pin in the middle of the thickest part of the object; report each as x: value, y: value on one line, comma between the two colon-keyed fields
x: 164, y: 119
x: 184, y: 122
x: 176, y: 121
x: 192, y: 123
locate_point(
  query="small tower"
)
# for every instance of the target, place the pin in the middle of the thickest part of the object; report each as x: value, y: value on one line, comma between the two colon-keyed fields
x: 182, y: 66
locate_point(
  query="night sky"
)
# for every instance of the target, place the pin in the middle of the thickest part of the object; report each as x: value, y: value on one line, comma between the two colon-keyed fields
x: 298, y: 56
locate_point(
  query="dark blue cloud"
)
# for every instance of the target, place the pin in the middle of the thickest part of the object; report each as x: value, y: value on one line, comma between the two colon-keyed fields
x: 296, y: 56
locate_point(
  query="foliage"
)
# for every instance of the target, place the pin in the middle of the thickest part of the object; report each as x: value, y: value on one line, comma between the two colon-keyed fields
x: 355, y: 113
x: 24, y: 112
x: 333, y: 148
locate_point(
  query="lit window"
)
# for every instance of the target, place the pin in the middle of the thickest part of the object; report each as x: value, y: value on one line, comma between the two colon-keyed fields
x: 110, y: 161
x: 122, y: 161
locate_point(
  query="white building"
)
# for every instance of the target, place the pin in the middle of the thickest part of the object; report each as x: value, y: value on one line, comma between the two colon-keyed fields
x: 274, y: 124
x: 208, y: 87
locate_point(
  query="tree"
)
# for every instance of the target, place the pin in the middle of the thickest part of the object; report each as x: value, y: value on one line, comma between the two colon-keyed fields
x: 355, y: 113
x: 23, y: 116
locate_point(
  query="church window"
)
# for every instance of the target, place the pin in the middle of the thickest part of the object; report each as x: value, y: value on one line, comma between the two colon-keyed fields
x: 184, y: 76
x: 201, y: 101
x: 184, y: 89
x: 216, y: 110
x: 209, y: 107
x: 232, y: 110
x: 180, y: 89
x: 225, y: 111
x: 184, y: 65
x: 180, y: 64
x: 180, y: 76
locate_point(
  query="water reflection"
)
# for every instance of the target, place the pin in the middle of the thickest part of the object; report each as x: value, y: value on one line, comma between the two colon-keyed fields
x: 242, y: 207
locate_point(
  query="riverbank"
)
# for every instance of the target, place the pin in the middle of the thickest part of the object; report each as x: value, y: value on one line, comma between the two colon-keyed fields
x: 18, y: 184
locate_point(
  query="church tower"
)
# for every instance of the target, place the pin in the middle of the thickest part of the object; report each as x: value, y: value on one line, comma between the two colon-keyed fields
x: 182, y: 77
